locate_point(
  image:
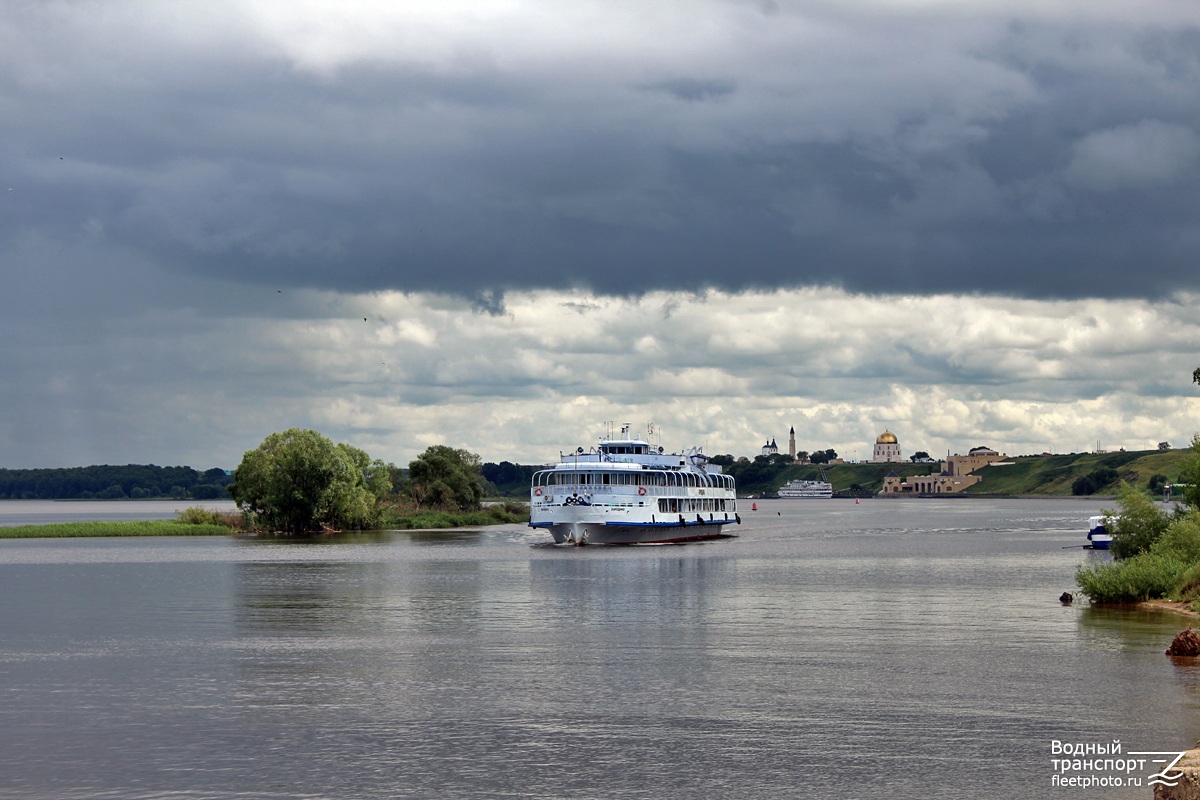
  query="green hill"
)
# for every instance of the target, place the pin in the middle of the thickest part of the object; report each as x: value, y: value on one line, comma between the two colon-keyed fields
x: 1050, y: 476
x: 1054, y: 475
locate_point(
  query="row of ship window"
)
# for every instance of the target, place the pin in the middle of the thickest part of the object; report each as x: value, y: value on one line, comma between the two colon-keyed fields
x: 683, y: 505
x: 631, y: 478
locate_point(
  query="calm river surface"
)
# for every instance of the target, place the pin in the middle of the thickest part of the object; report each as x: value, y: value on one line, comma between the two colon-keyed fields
x: 907, y: 649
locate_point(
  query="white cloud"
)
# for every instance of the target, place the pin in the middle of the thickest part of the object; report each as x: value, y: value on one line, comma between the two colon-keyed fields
x: 944, y: 372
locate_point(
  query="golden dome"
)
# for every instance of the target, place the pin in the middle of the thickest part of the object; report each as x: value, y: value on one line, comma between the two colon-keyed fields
x: 887, y: 437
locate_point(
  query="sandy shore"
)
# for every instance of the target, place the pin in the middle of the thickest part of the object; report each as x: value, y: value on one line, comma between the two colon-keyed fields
x: 1167, y: 605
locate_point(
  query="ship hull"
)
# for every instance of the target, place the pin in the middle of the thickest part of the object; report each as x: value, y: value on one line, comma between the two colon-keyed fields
x: 579, y: 532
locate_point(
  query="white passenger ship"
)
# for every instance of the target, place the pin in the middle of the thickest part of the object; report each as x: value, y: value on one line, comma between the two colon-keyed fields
x: 626, y: 491
x: 800, y: 488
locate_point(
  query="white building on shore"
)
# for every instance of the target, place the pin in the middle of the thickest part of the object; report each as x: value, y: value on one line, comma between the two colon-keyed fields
x: 887, y: 448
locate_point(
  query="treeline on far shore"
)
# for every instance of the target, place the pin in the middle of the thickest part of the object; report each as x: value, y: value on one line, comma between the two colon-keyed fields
x: 1069, y: 474
x: 105, y: 482
x: 147, y: 481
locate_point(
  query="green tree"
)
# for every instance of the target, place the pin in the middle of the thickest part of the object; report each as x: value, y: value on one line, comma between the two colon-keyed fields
x: 298, y: 481
x: 823, y: 456
x: 443, y: 477
x: 917, y: 456
x: 1190, y: 475
x: 114, y: 492
x: 1139, y: 524
x: 1094, y: 481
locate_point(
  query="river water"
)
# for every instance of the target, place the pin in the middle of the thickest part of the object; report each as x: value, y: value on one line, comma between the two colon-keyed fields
x: 907, y: 649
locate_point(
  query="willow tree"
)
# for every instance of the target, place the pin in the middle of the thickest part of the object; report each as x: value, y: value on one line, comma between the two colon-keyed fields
x: 299, y: 481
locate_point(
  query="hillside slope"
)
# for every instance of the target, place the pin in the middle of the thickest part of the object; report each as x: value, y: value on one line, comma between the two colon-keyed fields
x: 1054, y: 475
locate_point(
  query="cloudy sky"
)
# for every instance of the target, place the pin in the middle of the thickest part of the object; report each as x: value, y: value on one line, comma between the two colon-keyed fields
x: 499, y: 224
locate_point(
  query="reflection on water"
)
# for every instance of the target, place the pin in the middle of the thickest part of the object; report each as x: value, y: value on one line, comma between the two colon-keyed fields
x: 313, y: 597
x: 833, y: 650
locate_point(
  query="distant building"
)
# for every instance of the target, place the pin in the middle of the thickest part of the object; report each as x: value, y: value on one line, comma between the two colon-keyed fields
x: 792, y: 442
x: 887, y: 448
x: 957, y: 473
x: 770, y: 448
x: 938, y: 483
x: 976, y: 458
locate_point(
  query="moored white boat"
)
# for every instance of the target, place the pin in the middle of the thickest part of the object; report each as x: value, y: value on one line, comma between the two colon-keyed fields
x: 626, y: 491
x: 798, y: 488
x: 1098, y: 534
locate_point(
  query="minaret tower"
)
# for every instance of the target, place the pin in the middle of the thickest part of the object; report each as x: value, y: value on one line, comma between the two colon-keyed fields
x: 792, y: 443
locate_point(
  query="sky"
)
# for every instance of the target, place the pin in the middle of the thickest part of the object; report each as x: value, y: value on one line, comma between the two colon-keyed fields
x: 502, y: 225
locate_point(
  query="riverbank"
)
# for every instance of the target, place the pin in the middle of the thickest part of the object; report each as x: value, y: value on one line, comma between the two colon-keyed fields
x: 1184, y: 609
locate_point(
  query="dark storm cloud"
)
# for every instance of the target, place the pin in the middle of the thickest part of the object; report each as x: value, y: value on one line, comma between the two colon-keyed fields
x: 1049, y: 155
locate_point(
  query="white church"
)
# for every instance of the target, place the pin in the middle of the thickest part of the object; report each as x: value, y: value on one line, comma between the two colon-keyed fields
x: 887, y: 448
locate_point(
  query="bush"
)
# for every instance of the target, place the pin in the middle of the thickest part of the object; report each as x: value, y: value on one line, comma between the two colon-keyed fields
x: 1181, y: 539
x: 1190, y: 475
x: 1142, y: 577
x: 1187, y: 585
x: 1170, y: 567
x: 197, y: 515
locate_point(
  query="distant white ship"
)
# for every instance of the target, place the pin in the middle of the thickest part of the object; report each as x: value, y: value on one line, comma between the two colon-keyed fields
x: 806, y: 489
x: 626, y: 491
